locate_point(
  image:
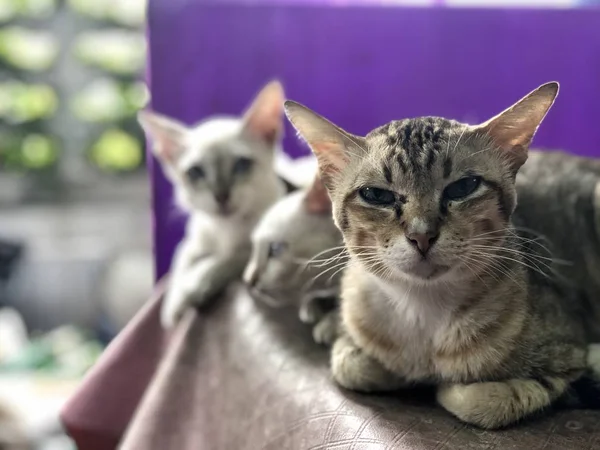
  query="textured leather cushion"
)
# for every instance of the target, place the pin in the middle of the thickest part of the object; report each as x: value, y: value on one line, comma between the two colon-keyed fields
x: 241, y: 377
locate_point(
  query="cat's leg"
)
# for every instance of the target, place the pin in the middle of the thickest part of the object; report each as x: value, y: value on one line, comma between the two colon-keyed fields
x: 325, y: 331
x: 355, y: 370
x: 315, y: 305
x: 199, y: 283
x: 500, y: 403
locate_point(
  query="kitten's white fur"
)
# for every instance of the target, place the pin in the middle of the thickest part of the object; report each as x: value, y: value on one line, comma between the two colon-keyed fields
x: 302, y: 226
x: 216, y: 245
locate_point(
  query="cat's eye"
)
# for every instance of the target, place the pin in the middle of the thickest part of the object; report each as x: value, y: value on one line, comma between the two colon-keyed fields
x: 377, y: 196
x: 242, y: 166
x: 195, y: 173
x: 462, y: 188
x: 276, y: 249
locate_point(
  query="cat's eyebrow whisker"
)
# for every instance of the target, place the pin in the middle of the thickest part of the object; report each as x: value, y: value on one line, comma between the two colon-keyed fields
x: 477, y: 153
x: 457, y: 142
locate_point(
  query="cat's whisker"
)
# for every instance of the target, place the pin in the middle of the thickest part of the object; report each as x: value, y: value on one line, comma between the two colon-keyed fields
x: 515, y: 260
x: 518, y: 252
x: 458, y: 141
x: 477, y: 152
x: 485, y: 268
x: 503, y: 269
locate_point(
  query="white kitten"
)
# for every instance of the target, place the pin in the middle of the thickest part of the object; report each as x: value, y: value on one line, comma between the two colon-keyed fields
x: 294, y: 258
x: 223, y: 175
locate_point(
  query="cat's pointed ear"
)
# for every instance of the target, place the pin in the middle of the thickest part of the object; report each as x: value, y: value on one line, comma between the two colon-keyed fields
x: 167, y: 134
x: 264, y: 118
x: 317, y: 199
x: 513, y: 129
x: 332, y: 145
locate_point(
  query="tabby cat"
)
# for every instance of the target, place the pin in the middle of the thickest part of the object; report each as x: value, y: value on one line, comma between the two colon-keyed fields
x: 290, y: 262
x: 222, y: 171
x: 439, y: 289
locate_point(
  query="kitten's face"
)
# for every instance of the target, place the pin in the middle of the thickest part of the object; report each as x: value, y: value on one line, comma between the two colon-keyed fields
x: 287, y: 238
x: 223, y: 166
x: 417, y: 199
x: 221, y: 169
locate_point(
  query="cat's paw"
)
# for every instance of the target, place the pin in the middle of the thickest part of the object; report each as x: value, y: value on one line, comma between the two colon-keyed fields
x: 352, y: 369
x: 313, y: 308
x: 497, y: 404
x: 309, y: 312
x: 175, y: 302
x: 178, y: 300
x: 326, y: 330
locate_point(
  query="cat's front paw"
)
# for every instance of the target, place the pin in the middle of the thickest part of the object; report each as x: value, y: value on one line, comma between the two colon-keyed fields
x: 178, y: 300
x: 315, y: 308
x: 498, y: 404
x: 175, y: 302
x: 353, y: 369
x: 326, y: 330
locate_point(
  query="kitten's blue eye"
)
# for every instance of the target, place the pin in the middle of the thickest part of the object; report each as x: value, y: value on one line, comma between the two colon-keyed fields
x: 276, y: 249
x: 462, y: 188
x: 195, y: 173
x: 376, y: 196
x: 242, y: 166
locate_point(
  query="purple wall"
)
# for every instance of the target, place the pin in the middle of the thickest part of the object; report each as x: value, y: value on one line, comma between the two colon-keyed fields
x: 363, y: 66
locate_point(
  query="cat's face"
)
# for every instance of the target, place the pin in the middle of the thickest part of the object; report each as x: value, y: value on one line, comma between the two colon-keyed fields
x: 218, y: 166
x: 419, y: 199
x: 291, y: 234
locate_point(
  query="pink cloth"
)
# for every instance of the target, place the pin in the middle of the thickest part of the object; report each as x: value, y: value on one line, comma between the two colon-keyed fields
x: 98, y: 414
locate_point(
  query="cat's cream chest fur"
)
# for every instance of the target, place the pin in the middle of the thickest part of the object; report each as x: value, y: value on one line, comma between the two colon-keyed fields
x: 416, y: 333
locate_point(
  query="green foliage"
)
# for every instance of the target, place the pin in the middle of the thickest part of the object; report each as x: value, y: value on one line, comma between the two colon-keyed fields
x: 117, y: 151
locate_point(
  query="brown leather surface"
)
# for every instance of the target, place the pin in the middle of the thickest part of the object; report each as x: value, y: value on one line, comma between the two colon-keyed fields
x: 240, y: 377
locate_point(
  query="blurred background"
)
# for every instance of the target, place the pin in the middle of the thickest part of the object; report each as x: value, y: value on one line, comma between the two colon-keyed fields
x: 75, y: 259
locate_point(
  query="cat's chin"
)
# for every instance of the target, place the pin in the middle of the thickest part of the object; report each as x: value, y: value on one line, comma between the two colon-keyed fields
x: 425, y: 272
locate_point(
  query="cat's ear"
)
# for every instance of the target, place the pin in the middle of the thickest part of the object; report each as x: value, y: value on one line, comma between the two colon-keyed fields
x: 264, y: 118
x: 317, y: 199
x: 332, y: 145
x: 513, y: 129
x: 167, y: 134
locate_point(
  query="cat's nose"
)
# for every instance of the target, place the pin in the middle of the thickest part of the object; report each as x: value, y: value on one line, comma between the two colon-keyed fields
x: 422, y: 241
x: 222, y: 198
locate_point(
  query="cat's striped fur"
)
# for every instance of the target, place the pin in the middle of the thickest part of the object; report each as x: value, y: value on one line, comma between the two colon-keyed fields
x: 442, y: 288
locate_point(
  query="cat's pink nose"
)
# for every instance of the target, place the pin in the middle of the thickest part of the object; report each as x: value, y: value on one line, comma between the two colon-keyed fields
x: 422, y: 241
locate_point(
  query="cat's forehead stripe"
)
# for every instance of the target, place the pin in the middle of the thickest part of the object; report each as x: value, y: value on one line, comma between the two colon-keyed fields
x: 416, y: 143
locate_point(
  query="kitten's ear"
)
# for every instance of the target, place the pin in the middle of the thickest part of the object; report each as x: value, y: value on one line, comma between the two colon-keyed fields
x: 167, y: 134
x: 317, y: 199
x: 264, y: 118
x: 332, y: 145
x: 513, y: 129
